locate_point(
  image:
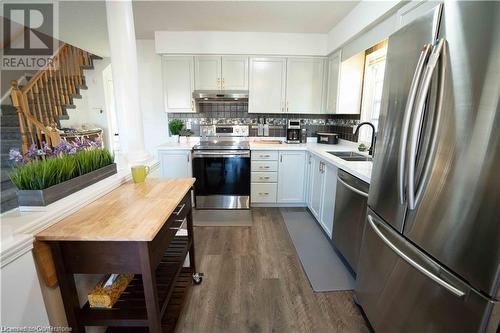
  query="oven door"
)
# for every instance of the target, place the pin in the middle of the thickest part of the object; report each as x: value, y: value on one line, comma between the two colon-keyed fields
x: 222, y: 179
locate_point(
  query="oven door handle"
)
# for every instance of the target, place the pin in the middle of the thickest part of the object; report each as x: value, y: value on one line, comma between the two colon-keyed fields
x: 218, y: 154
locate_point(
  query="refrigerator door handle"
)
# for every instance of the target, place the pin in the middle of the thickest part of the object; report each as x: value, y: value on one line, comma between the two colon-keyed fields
x: 445, y: 284
x: 424, y: 54
x: 434, y: 58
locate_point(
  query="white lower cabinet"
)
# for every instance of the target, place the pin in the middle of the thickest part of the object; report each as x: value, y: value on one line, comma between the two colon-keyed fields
x: 291, y: 176
x: 263, y: 192
x: 278, y: 177
x: 264, y: 177
x: 321, y: 192
x: 315, y: 186
x: 175, y: 164
x: 328, y: 199
x: 264, y: 165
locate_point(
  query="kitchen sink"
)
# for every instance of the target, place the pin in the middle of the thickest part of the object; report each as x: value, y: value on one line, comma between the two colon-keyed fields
x: 350, y: 156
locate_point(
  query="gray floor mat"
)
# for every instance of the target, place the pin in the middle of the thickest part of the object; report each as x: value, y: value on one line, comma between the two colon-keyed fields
x: 323, y: 267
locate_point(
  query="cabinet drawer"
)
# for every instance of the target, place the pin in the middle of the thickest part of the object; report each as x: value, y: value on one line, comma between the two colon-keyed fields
x: 264, y: 166
x: 264, y: 177
x: 264, y: 155
x: 263, y: 193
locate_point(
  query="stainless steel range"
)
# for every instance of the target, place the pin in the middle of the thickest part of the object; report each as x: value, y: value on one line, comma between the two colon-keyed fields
x: 221, y: 166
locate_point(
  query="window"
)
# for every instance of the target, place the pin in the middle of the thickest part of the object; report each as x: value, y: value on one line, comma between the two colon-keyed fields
x: 372, y: 88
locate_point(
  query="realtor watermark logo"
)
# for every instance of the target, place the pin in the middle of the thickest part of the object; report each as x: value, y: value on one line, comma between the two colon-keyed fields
x: 28, y: 35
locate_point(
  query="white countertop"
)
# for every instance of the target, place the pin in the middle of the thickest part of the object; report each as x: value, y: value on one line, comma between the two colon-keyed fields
x: 360, y: 169
x: 184, y: 144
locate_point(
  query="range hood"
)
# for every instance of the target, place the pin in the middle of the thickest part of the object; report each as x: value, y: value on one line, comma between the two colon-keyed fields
x: 220, y: 96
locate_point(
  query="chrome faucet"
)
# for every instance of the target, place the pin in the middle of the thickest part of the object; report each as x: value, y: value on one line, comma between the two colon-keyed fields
x: 371, y: 150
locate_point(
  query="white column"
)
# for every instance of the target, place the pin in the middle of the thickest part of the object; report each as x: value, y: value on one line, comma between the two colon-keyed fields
x: 121, y: 34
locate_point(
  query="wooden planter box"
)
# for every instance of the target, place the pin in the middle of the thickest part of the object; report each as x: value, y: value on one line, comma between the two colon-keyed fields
x: 59, y: 191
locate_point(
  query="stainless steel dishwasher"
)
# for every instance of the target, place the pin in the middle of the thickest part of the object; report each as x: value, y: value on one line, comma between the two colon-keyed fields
x: 350, y: 216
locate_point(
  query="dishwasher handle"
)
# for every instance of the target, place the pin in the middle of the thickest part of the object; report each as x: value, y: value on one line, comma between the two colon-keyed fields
x: 352, y: 188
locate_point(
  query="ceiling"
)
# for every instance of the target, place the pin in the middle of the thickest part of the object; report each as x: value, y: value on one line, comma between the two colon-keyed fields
x: 85, y: 21
x: 249, y: 16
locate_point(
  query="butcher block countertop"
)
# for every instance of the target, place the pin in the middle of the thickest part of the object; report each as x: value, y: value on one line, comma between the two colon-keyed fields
x: 132, y: 212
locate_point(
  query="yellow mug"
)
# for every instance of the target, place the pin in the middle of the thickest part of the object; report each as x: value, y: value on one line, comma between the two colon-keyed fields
x: 139, y: 173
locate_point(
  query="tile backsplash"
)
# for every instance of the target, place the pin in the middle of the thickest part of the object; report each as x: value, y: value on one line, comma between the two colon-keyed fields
x: 237, y: 113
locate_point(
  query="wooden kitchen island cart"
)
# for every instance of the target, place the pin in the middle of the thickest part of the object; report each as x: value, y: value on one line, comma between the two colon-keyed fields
x: 133, y: 229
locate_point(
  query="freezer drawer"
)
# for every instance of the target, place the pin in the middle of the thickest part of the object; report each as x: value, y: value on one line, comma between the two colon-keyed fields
x: 402, y: 290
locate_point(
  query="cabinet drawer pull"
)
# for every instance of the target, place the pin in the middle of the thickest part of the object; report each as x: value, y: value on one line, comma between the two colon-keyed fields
x: 265, y: 155
x: 177, y: 213
x: 264, y: 193
x: 264, y: 167
x: 264, y: 177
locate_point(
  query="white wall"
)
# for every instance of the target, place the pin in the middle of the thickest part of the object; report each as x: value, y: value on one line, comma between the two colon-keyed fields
x: 154, y: 116
x: 91, y: 108
x: 21, y: 297
x: 88, y: 109
x: 361, y: 18
x: 218, y: 42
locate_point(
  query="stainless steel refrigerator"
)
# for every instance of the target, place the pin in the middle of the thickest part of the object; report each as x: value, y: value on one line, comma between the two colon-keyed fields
x: 430, y: 256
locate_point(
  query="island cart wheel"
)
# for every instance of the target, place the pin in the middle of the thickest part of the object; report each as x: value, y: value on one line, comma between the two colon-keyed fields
x: 197, y: 278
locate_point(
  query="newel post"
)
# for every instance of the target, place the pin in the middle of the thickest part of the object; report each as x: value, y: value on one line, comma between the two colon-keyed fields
x: 16, y: 96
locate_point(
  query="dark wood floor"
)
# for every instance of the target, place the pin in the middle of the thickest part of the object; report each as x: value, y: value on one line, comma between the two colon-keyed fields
x: 254, y: 283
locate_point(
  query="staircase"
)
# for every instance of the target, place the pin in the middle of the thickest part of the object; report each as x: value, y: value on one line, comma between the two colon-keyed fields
x: 10, y: 137
x: 37, y: 108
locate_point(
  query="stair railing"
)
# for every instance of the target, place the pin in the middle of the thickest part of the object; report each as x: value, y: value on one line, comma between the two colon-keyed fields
x: 43, y: 99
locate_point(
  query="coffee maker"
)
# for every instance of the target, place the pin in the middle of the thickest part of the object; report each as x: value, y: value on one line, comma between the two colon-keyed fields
x: 293, y: 131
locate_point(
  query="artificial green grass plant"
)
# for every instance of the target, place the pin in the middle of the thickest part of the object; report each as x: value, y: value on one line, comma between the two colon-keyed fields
x: 44, y: 173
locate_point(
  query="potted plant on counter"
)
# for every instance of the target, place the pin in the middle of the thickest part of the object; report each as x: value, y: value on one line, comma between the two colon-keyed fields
x: 185, y: 134
x: 45, y: 175
x: 175, y: 127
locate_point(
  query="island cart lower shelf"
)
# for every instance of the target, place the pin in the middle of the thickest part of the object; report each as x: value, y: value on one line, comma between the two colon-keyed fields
x: 174, y: 306
x: 130, y: 309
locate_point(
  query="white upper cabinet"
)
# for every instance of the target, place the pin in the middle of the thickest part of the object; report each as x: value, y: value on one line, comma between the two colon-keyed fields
x: 234, y: 73
x: 291, y: 176
x: 304, y: 85
x: 333, y: 82
x: 351, y: 85
x: 267, y: 85
x: 208, y: 72
x: 221, y: 73
x: 178, y: 83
